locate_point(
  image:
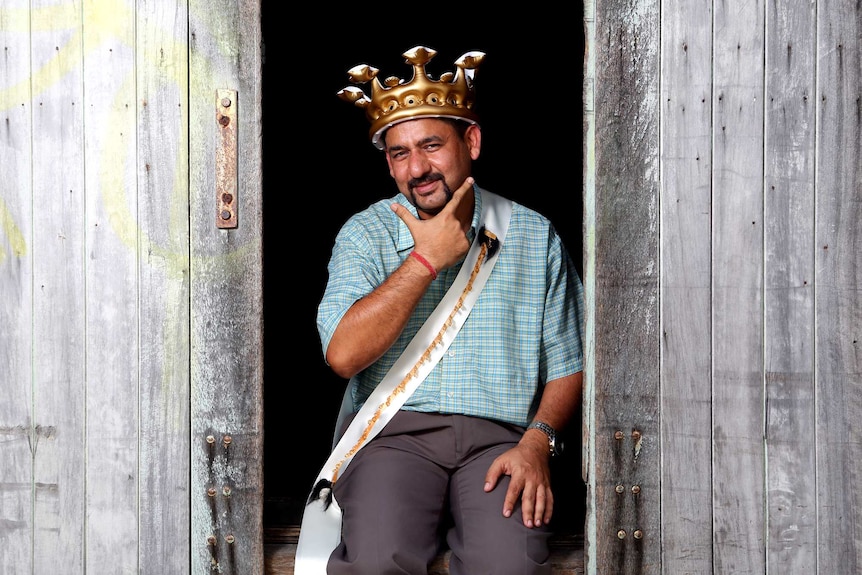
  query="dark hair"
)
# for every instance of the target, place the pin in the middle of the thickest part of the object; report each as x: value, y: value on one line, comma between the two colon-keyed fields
x: 459, y: 125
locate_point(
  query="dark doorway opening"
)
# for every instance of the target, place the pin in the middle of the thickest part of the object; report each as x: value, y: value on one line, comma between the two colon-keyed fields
x: 319, y: 168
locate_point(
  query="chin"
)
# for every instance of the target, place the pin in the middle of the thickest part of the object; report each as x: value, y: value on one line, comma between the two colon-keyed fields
x: 434, y: 203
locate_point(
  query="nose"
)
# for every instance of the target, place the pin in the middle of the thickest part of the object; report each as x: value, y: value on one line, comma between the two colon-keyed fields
x: 419, y: 165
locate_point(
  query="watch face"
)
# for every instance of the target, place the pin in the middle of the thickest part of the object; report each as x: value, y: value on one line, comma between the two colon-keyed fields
x: 558, y: 446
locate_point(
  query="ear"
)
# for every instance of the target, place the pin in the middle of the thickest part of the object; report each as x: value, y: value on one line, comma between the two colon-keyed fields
x: 473, y: 139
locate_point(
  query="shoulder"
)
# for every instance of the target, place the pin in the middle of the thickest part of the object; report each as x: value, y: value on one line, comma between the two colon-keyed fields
x: 529, y: 222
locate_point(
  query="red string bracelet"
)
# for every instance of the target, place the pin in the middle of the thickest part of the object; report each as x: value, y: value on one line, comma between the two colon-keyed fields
x: 425, y: 263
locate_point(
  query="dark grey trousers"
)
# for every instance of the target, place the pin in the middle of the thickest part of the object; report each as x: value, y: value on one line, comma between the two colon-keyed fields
x: 422, y: 478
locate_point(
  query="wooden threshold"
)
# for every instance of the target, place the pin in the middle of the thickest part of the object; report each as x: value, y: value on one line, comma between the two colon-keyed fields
x: 567, y: 553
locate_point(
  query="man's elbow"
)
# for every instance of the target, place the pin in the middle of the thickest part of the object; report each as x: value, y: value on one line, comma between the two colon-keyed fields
x: 341, y: 364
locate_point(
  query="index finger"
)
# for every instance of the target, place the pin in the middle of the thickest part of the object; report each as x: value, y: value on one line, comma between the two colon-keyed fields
x: 459, y: 194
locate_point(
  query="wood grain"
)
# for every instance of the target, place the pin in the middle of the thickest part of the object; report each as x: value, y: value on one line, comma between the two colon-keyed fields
x: 789, y: 287
x: 59, y: 287
x: 163, y: 270
x: 737, y: 290
x: 17, y: 221
x: 623, y: 282
x: 838, y: 269
x: 686, y: 294
x: 226, y: 304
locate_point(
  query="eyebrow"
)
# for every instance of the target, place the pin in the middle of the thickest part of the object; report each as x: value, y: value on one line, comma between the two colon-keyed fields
x: 419, y: 144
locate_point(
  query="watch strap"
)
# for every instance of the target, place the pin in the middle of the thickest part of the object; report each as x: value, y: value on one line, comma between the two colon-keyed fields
x: 550, y: 432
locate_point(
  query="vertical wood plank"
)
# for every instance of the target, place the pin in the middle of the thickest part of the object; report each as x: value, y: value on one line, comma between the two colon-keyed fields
x: 738, y: 453
x: 624, y: 306
x: 59, y: 286
x: 686, y: 212
x: 163, y: 259
x: 838, y: 265
x: 789, y: 286
x: 226, y: 302
x: 589, y: 464
x: 112, y: 287
x: 16, y: 305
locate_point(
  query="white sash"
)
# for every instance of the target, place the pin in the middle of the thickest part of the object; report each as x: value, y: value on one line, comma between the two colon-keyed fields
x: 320, y: 533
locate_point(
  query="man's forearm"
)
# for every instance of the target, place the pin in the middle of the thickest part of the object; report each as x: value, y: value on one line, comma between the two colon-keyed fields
x: 373, y: 323
x: 560, y: 399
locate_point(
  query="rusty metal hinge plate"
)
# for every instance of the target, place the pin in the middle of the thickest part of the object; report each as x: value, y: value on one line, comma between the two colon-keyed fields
x: 226, y: 160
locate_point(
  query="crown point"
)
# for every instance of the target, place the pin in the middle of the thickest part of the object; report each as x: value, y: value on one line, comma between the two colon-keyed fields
x: 419, y: 55
x: 470, y: 60
x: 354, y: 95
x: 362, y: 73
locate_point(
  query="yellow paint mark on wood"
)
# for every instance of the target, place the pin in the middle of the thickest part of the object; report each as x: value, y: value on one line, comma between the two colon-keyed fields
x: 17, y: 244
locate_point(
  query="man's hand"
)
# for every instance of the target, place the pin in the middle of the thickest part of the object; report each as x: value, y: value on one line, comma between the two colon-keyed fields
x: 442, y: 240
x: 528, y: 466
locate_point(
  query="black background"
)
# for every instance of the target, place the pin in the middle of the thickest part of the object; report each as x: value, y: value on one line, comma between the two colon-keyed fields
x: 319, y: 168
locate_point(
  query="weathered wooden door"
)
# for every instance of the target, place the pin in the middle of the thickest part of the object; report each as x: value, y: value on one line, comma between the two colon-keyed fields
x: 131, y: 316
x: 723, y: 186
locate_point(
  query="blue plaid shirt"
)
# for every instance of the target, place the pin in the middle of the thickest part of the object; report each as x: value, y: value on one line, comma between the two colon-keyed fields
x: 524, y: 329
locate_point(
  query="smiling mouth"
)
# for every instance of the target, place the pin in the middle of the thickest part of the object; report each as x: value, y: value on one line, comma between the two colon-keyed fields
x: 423, y: 182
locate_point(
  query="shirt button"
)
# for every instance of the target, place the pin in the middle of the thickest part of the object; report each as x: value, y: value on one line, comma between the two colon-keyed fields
x: 451, y: 353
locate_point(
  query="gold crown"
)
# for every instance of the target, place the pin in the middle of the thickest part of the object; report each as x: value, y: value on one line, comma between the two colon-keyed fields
x: 393, y: 101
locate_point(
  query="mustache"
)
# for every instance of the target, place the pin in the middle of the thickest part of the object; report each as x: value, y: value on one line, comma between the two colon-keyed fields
x: 413, y: 182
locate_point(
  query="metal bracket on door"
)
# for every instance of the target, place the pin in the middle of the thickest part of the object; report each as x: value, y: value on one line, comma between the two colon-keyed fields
x: 226, y: 160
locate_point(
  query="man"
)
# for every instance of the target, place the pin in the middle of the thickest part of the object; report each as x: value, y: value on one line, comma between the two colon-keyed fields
x: 467, y: 454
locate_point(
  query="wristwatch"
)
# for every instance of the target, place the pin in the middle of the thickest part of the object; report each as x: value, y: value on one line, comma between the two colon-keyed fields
x: 555, y: 447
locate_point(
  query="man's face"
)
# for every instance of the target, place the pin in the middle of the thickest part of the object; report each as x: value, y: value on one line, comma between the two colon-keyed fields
x: 428, y: 159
